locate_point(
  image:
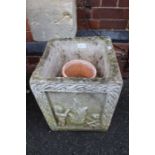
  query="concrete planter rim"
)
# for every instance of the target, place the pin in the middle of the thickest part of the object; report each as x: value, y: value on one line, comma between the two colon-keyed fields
x: 76, y: 79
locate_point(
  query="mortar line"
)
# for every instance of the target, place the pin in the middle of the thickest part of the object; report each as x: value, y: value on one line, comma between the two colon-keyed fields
x: 117, y: 4
x: 100, y: 2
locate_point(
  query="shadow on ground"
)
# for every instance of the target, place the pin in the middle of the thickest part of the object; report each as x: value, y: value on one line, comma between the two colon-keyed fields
x: 42, y: 141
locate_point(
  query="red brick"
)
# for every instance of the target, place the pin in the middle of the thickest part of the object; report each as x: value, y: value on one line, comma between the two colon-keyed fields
x: 79, y: 3
x: 122, y: 51
x: 109, y: 2
x: 31, y: 63
x: 82, y: 24
x: 27, y: 25
x: 127, y: 26
x: 83, y: 13
x: 122, y: 65
x: 113, y: 24
x: 122, y: 55
x: 94, y: 24
x: 30, y: 68
x: 93, y: 3
x: 124, y: 46
x: 33, y: 59
x: 102, y: 24
x: 124, y: 3
x: 114, y: 13
x: 125, y: 75
x: 29, y: 37
x: 88, y: 24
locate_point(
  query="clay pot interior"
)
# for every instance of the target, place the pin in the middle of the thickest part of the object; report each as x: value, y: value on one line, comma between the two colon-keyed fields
x: 79, y: 68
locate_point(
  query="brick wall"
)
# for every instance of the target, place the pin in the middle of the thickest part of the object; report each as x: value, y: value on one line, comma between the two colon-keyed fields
x: 103, y: 14
x: 98, y: 14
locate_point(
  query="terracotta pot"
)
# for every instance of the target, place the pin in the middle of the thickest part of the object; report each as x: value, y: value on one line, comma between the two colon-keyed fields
x: 79, y: 68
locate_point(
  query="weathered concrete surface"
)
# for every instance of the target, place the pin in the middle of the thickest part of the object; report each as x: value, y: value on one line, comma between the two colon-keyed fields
x: 77, y: 103
x: 50, y: 19
x: 42, y: 141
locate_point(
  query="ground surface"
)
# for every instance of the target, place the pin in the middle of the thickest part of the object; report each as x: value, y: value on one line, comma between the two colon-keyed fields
x: 42, y: 141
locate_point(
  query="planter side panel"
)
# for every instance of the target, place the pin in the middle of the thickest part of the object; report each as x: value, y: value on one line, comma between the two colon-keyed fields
x: 43, y: 103
x: 77, y: 110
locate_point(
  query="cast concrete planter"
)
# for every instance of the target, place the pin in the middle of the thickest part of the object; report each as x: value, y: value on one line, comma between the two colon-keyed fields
x: 50, y: 19
x: 77, y: 103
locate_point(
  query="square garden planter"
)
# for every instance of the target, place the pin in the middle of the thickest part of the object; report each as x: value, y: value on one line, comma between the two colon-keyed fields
x: 77, y: 103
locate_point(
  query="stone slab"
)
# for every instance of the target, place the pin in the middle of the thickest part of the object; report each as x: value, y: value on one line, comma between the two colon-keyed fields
x: 50, y: 19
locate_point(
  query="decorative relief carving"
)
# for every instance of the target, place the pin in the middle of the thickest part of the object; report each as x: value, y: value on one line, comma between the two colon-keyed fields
x: 45, y: 86
x: 61, y: 115
x: 76, y: 115
x: 93, y: 120
x: 113, y: 93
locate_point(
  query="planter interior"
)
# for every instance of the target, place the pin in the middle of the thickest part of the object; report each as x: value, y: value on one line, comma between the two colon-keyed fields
x: 62, y: 51
x: 77, y: 103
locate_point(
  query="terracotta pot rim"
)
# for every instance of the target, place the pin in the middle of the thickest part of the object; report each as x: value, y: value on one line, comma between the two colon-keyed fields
x: 75, y: 61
